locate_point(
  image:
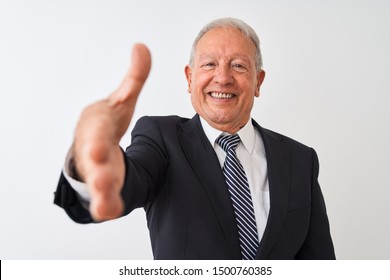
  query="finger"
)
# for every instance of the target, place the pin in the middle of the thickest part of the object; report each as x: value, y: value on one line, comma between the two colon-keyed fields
x: 105, y: 184
x: 106, y: 203
x: 104, y: 208
x: 135, y: 76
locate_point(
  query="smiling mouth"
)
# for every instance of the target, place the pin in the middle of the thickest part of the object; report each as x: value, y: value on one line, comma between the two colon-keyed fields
x: 221, y: 95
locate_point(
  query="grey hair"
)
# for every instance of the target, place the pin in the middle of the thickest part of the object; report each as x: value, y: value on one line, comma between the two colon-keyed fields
x: 233, y: 23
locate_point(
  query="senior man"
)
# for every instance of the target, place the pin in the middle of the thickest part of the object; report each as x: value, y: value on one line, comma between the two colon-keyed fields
x: 217, y: 186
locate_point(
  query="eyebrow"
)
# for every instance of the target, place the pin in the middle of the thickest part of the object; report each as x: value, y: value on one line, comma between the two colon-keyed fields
x: 234, y: 56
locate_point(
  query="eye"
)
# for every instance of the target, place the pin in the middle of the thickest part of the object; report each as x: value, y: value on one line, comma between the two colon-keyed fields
x: 239, y: 67
x: 209, y: 65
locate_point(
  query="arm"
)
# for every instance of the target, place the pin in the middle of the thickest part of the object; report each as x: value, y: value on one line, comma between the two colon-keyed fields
x: 318, y: 243
x: 99, y: 160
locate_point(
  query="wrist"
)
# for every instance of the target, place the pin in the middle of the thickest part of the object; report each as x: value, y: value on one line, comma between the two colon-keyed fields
x: 71, y: 167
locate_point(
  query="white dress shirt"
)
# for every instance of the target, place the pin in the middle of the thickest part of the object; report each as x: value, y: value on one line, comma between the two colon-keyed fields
x: 251, y: 153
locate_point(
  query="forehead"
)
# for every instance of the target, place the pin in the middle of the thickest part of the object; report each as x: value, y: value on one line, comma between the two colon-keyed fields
x: 225, y: 40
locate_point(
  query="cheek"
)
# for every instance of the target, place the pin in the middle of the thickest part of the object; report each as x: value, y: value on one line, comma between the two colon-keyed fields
x: 248, y: 102
x: 195, y: 101
x: 200, y: 81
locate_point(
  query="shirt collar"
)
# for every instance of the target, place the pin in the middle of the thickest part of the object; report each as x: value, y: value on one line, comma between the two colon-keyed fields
x: 247, y: 134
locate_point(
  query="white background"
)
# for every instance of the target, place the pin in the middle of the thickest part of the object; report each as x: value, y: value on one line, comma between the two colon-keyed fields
x: 327, y: 85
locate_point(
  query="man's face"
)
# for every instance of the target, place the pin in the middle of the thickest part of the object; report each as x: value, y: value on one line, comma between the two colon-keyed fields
x: 224, y: 81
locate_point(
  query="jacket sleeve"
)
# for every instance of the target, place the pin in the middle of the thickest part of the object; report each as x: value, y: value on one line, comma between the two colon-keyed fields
x: 145, y: 162
x: 318, y: 244
x: 66, y: 197
x: 146, y: 165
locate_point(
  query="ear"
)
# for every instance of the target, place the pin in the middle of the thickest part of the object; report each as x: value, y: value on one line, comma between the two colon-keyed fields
x: 260, y: 78
x: 188, y: 72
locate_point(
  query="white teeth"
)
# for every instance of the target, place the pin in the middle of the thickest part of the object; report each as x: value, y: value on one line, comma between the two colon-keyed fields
x: 221, y: 95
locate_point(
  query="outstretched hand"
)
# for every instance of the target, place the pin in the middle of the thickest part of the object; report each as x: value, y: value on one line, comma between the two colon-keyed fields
x: 98, y: 157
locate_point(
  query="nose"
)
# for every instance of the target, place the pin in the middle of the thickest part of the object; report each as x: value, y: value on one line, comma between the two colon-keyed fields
x: 223, y: 75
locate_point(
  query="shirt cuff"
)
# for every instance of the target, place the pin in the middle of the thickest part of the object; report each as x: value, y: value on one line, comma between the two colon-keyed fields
x: 80, y: 187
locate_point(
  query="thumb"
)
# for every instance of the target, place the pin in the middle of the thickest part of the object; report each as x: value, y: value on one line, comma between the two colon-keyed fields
x: 135, y: 77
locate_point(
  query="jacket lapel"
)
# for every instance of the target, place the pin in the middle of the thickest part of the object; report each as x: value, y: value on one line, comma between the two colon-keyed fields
x: 204, y: 162
x: 278, y: 166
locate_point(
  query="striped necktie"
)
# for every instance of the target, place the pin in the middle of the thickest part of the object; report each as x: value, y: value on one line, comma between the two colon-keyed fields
x: 240, y: 194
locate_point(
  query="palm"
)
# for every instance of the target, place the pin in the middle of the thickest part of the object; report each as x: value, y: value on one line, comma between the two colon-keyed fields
x: 99, y: 159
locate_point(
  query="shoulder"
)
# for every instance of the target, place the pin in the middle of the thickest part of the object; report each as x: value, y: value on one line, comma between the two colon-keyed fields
x: 286, y: 140
x: 157, y: 126
x: 301, y: 155
x: 274, y: 140
x: 161, y: 120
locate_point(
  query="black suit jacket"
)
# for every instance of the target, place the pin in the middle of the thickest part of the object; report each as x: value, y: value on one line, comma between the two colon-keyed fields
x: 173, y: 172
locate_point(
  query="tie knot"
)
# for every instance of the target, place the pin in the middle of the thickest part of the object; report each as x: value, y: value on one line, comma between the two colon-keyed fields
x: 228, y: 142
